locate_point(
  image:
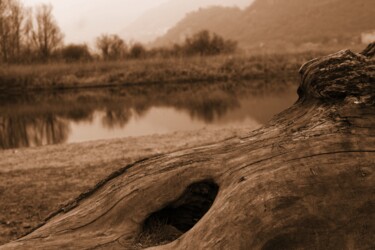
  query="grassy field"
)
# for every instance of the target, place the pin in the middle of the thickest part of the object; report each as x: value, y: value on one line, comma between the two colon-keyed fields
x: 154, y: 70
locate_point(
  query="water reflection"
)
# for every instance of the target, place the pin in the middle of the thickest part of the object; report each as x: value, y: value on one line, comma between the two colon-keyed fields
x: 79, y: 115
x: 25, y: 131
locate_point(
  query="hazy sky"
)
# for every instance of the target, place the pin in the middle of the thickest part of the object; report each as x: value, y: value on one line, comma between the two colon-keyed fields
x: 83, y: 20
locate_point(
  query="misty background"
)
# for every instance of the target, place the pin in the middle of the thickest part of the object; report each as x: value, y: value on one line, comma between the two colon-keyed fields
x: 141, y: 20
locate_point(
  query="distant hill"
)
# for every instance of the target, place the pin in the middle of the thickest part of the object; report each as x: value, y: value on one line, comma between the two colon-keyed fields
x: 221, y: 20
x: 159, y: 20
x: 281, y: 22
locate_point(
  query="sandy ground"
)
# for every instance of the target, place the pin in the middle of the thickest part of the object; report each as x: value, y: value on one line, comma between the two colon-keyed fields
x: 36, y: 181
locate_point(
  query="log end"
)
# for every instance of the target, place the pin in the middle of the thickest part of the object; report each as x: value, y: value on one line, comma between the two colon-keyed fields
x: 339, y: 76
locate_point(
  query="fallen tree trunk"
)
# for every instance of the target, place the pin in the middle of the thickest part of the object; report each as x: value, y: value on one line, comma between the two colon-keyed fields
x: 303, y: 181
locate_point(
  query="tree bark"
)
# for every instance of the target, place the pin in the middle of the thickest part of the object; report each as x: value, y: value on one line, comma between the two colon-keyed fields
x: 304, y: 181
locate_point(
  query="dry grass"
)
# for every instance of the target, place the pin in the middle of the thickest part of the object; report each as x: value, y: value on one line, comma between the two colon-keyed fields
x: 154, y: 70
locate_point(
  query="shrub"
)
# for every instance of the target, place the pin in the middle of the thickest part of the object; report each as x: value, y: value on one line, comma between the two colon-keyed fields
x: 205, y: 43
x: 137, y: 51
x: 76, y: 52
x: 112, y: 47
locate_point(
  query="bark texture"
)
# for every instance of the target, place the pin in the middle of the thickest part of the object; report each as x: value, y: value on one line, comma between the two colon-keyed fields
x: 304, y: 181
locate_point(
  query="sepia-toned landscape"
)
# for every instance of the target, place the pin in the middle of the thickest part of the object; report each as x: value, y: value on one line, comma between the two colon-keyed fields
x: 175, y: 124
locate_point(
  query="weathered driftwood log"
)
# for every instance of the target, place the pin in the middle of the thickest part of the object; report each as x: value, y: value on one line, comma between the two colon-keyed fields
x: 304, y: 181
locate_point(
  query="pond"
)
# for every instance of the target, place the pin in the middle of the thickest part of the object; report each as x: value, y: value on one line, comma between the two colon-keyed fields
x: 69, y: 116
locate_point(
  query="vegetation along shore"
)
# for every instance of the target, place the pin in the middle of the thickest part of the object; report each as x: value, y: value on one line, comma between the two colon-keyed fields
x: 33, y: 55
x: 151, y: 70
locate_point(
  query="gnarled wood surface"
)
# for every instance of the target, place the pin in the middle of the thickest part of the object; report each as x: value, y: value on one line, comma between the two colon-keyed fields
x: 304, y: 181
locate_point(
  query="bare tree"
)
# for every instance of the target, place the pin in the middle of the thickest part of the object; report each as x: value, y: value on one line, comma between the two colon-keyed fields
x: 11, y: 19
x: 46, y: 33
x: 28, y: 48
x: 103, y: 44
x: 17, y: 18
x: 4, y: 29
x: 111, y: 46
x: 118, y: 47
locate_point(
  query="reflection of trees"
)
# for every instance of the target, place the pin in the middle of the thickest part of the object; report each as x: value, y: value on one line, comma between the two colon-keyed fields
x: 211, y: 106
x: 16, y: 131
x: 118, y: 117
x: 30, y: 120
x: 78, y: 114
x: 119, y: 114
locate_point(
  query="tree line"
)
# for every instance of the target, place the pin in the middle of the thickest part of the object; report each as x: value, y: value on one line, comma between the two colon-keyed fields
x: 27, y: 34
x: 33, y: 35
x: 203, y: 43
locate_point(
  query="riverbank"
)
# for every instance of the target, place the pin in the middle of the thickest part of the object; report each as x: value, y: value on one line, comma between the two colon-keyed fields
x: 153, y: 70
x: 37, y: 181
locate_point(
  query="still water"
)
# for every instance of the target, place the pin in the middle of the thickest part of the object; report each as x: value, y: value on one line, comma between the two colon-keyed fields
x: 82, y: 115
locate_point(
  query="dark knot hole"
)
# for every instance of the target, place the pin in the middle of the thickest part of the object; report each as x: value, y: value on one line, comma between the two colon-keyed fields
x: 178, y: 217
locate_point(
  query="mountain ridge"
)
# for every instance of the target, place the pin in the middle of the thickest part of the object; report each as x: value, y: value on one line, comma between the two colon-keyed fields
x: 157, y: 21
x: 285, y: 22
